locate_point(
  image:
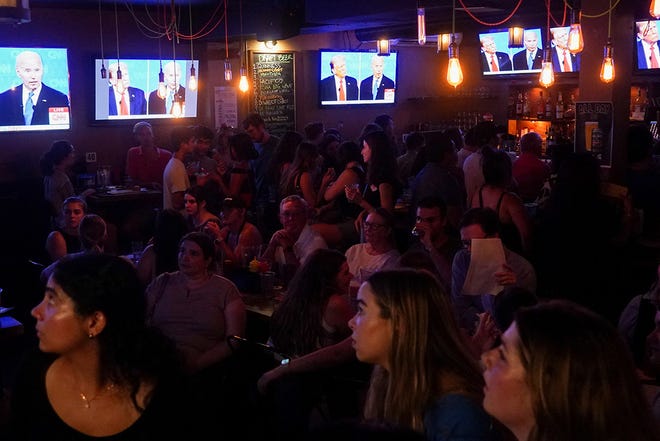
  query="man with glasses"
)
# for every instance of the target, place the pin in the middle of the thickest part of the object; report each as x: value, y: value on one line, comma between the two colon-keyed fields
x: 430, y: 232
x: 483, y: 223
x: 292, y: 244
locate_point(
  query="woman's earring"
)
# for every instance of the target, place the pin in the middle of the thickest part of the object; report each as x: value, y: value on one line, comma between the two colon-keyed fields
x: 91, y: 335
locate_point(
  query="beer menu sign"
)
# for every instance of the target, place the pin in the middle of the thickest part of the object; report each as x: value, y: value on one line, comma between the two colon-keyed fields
x: 593, y: 130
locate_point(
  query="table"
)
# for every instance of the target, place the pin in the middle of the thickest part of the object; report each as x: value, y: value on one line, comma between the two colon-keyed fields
x: 131, y: 210
x: 259, y: 310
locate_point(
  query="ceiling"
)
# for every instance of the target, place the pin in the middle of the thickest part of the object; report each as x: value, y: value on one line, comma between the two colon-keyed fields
x: 280, y: 19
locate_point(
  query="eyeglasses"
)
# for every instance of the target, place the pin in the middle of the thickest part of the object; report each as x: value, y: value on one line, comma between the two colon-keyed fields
x: 369, y: 225
x: 429, y: 219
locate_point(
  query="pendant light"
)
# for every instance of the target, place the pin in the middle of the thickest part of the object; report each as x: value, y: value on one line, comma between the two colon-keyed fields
x: 607, y: 73
x: 228, y: 73
x: 104, y: 72
x: 454, y: 71
x: 421, y: 26
x: 547, y: 77
x: 654, y: 9
x: 575, y: 39
x: 192, y: 81
x: 243, y: 84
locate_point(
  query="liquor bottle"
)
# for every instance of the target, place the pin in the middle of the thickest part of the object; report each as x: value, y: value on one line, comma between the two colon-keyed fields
x: 526, y: 111
x: 519, y: 105
x: 559, y: 107
x: 637, y: 103
x: 548, y: 108
x: 570, y: 107
x: 540, y: 106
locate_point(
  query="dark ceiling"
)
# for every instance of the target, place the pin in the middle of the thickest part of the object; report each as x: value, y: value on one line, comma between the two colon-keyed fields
x: 280, y: 19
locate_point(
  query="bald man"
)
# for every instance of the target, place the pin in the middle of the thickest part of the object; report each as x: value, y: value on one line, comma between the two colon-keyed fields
x: 162, y: 99
x: 374, y: 86
x: 30, y: 103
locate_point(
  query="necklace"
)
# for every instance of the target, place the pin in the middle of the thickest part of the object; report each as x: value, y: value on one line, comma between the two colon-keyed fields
x: 87, y: 401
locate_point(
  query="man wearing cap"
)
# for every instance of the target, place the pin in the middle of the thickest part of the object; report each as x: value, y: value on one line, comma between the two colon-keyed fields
x: 235, y: 233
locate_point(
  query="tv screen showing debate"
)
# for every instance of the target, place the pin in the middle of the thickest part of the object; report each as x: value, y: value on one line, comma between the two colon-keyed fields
x: 357, y: 78
x: 143, y: 92
x: 34, y: 89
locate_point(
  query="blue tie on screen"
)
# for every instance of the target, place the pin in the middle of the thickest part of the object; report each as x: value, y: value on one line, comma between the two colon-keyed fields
x: 168, y: 102
x: 375, y: 91
x: 28, y: 109
x: 530, y: 62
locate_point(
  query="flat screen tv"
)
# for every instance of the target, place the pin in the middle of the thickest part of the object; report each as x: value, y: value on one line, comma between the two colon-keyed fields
x: 45, y: 71
x: 368, y: 78
x: 646, y: 45
x: 499, y: 59
x: 140, y: 94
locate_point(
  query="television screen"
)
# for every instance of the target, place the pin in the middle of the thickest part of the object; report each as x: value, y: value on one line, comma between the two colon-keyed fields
x: 140, y: 94
x: 34, y: 89
x: 357, y: 78
x: 498, y: 58
x: 646, y: 36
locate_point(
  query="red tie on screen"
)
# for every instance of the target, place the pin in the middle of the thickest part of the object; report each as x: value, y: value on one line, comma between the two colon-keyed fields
x: 493, y: 64
x: 342, y: 94
x: 567, y: 65
x: 123, y: 103
x: 654, y: 59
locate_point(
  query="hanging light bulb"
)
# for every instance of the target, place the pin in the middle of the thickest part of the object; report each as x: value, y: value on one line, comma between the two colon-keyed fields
x: 162, y: 90
x: 383, y: 47
x: 192, y: 82
x: 243, y: 84
x: 228, y: 73
x: 547, y: 77
x: 654, y: 9
x: 177, y: 109
x: 454, y: 71
x: 104, y: 72
x: 575, y: 39
x: 421, y: 26
x: 607, y: 68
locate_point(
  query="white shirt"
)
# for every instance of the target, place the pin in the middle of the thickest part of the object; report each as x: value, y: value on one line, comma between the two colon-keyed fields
x: 175, y: 179
x: 35, y: 96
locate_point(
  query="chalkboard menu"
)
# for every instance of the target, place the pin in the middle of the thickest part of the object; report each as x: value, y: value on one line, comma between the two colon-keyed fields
x: 274, y: 90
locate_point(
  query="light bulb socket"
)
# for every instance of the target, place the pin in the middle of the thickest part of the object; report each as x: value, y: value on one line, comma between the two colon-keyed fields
x: 104, y: 72
x: 192, y: 71
x: 243, y: 71
x: 576, y: 16
x: 608, y: 50
x: 118, y: 72
x: 547, y: 54
x: 453, y: 49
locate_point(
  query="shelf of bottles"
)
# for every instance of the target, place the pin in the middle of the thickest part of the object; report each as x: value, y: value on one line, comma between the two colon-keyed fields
x: 550, y: 113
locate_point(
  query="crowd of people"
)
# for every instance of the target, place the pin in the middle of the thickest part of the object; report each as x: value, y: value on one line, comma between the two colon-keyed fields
x: 479, y: 308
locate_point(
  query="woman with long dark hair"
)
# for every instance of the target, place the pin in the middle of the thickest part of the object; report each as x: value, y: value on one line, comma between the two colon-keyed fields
x: 425, y: 377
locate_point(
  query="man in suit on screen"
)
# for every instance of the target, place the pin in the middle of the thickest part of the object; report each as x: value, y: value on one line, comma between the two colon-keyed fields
x: 162, y: 100
x: 373, y: 87
x: 491, y: 59
x: 562, y: 59
x: 31, y: 102
x: 531, y: 57
x: 123, y: 99
x: 339, y: 86
x: 648, y: 56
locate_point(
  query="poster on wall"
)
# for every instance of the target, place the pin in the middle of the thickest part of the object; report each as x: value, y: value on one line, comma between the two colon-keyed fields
x: 226, y: 107
x: 593, y: 130
x: 274, y: 95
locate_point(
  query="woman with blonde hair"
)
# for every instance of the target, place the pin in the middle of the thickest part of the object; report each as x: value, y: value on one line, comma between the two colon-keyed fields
x: 564, y: 373
x: 425, y: 377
